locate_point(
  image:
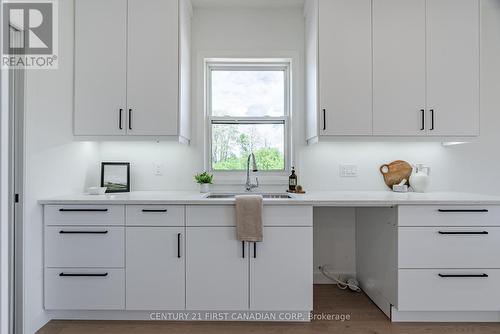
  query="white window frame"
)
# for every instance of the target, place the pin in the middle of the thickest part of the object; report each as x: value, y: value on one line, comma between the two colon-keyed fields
x: 246, y: 65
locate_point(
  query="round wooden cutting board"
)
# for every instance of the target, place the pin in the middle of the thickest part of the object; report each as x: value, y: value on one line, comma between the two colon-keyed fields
x: 395, y: 172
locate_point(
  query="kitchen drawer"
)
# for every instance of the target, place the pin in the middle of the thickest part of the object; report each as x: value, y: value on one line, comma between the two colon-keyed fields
x: 426, y: 290
x: 84, y: 246
x: 101, y: 289
x: 449, y: 247
x: 225, y: 215
x: 84, y: 215
x: 445, y: 215
x: 155, y: 215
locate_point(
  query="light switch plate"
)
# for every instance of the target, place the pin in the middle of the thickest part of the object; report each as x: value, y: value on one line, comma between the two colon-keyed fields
x: 348, y: 170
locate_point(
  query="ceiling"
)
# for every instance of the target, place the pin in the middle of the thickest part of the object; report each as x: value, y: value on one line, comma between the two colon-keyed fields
x: 248, y: 3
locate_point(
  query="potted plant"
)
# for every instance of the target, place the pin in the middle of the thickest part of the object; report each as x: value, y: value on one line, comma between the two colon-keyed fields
x: 204, y: 180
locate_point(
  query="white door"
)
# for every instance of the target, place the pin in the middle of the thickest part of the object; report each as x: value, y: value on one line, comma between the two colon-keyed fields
x: 100, y: 67
x: 281, y: 270
x: 216, y: 269
x: 398, y: 67
x: 345, y: 60
x: 155, y: 265
x: 152, y: 63
x: 453, y: 67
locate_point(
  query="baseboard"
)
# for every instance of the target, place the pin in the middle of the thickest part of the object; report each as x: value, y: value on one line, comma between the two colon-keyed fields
x: 442, y: 316
x: 224, y: 316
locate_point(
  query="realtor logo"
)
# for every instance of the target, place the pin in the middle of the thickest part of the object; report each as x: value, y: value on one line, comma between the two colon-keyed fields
x: 30, y: 34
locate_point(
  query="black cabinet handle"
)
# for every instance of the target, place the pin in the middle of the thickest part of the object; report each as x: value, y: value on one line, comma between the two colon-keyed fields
x: 243, y: 249
x: 83, y: 232
x: 422, y: 112
x: 432, y: 119
x: 83, y: 275
x: 83, y: 210
x: 147, y: 210
x: 254, y: 250
x: 463, y: 233
x: 130, y: 119
x: 179, y: 245
x: 120, y: 117
x: 461, y: 210
x: 324, y: 119
x: 463, y: 276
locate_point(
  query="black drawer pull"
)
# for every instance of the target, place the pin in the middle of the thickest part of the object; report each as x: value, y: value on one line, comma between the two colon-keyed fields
x: 463, y: 276
x: 463, y: 233
x: 83, y: 275
x: 120, y: 120
x: 178, y: 245
x: 83, y: 232
x: 243, y: 249
x: 83, y: 210
x: 463, y: 210
x: 147, y: 210
x: 254, y: 250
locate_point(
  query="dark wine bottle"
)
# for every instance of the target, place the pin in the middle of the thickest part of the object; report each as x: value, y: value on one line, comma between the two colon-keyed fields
x: 292, y: 181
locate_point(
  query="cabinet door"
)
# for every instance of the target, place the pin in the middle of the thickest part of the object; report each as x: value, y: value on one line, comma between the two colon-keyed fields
x: 398, y: 67
x: 152, y: 67
x: 155, y: 268
x: 100, y: 67
x: 345, y: 60
x: 453, y: 67
x: 281, y: 270
x: 216, y: 269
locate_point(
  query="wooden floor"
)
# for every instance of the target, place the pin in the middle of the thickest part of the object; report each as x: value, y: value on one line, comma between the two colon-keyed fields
x: 365, y: 317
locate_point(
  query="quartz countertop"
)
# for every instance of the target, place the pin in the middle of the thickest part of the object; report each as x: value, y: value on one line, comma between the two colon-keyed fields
x: 315, y: 198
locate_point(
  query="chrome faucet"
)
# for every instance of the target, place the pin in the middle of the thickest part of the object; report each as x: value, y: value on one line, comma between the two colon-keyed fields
x: 250, y: 185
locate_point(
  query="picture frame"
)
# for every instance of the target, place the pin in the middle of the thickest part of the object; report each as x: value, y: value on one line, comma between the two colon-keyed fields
x: 115, y: 176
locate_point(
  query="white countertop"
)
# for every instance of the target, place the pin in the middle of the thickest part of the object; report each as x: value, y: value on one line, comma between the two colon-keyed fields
x: 315, y: 198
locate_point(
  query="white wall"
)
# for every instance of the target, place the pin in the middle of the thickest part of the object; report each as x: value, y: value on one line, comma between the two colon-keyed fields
x: 4, y: 214
x: 55, y: 165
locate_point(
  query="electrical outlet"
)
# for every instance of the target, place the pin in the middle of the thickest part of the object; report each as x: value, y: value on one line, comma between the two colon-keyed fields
x: 158, y: 169
x: 348, y: 170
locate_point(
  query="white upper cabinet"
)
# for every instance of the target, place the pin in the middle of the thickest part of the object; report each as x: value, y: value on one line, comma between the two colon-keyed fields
x: 345, y: 67
x: 407, y: 68
x: 398, y: 67
x: 128, y: 68
x: 453, y: 67
x: 152, y: 67
x: 100, y: 76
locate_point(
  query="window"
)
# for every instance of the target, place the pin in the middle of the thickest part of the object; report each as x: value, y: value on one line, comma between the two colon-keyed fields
x: 248, y: 112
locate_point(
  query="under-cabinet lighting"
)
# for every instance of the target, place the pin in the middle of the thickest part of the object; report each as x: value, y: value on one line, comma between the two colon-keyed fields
x: 453, y: 143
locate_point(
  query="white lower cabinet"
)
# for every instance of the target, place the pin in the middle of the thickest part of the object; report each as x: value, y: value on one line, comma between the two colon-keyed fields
x: 173, y: 258
x: 273, y: 275
x: 448, y: 290
x: 281, y: 277
x: 216, y: 269
x: 84, y: 289
x: 155, y: 268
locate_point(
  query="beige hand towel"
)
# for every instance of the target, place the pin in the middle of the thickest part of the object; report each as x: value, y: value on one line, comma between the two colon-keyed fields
x: 249, y: 218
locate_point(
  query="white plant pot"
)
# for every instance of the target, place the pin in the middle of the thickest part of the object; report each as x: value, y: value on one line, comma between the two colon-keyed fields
x: 204, y: 188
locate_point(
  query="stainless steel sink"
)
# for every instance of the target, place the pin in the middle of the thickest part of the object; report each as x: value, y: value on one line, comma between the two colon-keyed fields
x: 266, y: 196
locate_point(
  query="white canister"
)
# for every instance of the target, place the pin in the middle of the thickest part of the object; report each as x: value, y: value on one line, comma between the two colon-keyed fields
x: 419, y: 178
